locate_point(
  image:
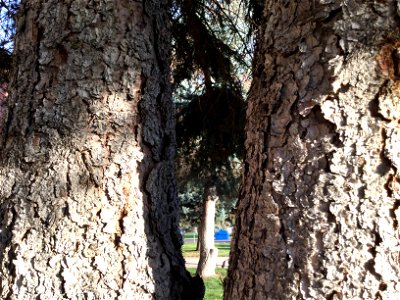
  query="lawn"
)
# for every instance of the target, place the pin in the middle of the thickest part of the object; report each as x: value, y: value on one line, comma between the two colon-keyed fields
x: 190, y: 235
x: 189, y: 249
x: 214, y: 287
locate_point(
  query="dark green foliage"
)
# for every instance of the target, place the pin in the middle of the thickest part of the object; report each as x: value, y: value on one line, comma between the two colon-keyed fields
x: 254, y: 12
x: 191, y: 201
x: 213, y: 124
x: 210, y: 138
x: 196, y: 44
x: 210, y: 100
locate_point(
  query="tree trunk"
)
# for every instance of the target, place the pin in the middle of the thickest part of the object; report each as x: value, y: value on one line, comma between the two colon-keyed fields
x: 318, y: 214
x: 208, y: 252
x: 88, y: 206
x: 198, y: 239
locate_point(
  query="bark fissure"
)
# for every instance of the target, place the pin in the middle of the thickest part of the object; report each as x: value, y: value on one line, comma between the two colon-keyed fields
x: 11, y: 256
x: 395, y: 208
x: 7, y: 125
x: 323, y: 218
x: 90, y: 149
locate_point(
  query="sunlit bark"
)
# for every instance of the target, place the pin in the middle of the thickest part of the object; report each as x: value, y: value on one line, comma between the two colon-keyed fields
x: 318, y: 214
x: 87, y: 201
x: 208, y: 251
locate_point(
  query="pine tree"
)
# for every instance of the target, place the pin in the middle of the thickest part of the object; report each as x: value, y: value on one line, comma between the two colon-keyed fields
x: 318, y: 208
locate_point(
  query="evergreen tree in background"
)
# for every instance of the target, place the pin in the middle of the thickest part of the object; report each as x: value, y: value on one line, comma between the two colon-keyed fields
x: 211, y: 57
x: 8, y: 9
x: 211, y: 54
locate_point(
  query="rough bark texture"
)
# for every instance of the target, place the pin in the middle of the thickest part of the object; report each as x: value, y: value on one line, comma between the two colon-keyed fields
x: 318, y: 215
x: 87, y: 202
x: 208, y: 252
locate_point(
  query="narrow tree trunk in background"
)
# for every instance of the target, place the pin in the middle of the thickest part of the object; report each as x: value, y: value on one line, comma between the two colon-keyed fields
x: 198, y: 233
x: 318, y: 214
x: 208, y: 252
x: 87, y: 202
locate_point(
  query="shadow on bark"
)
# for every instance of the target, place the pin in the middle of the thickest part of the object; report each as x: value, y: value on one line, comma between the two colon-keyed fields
x: 88, y: 200
x: 317, y: 162
x: 158, y: 185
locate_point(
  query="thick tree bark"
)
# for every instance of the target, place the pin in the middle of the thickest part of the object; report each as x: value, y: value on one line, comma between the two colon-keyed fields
x: 318, y: 214
x: 208, y: 252
x: 87, y: 202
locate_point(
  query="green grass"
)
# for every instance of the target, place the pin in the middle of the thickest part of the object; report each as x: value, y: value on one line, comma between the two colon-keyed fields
x: 190, y: 235
x: 214, y: 285
x: 189, y: 249
x: 223, y: 249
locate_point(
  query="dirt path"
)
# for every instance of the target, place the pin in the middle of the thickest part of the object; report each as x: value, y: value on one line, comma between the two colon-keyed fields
x: 222, y: 262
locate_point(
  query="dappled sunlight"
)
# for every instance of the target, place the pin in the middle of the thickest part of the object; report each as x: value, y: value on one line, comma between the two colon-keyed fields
x: 87, y: 175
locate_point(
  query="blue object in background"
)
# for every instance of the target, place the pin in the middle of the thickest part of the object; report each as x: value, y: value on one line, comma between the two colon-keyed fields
x: 221, y: 235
